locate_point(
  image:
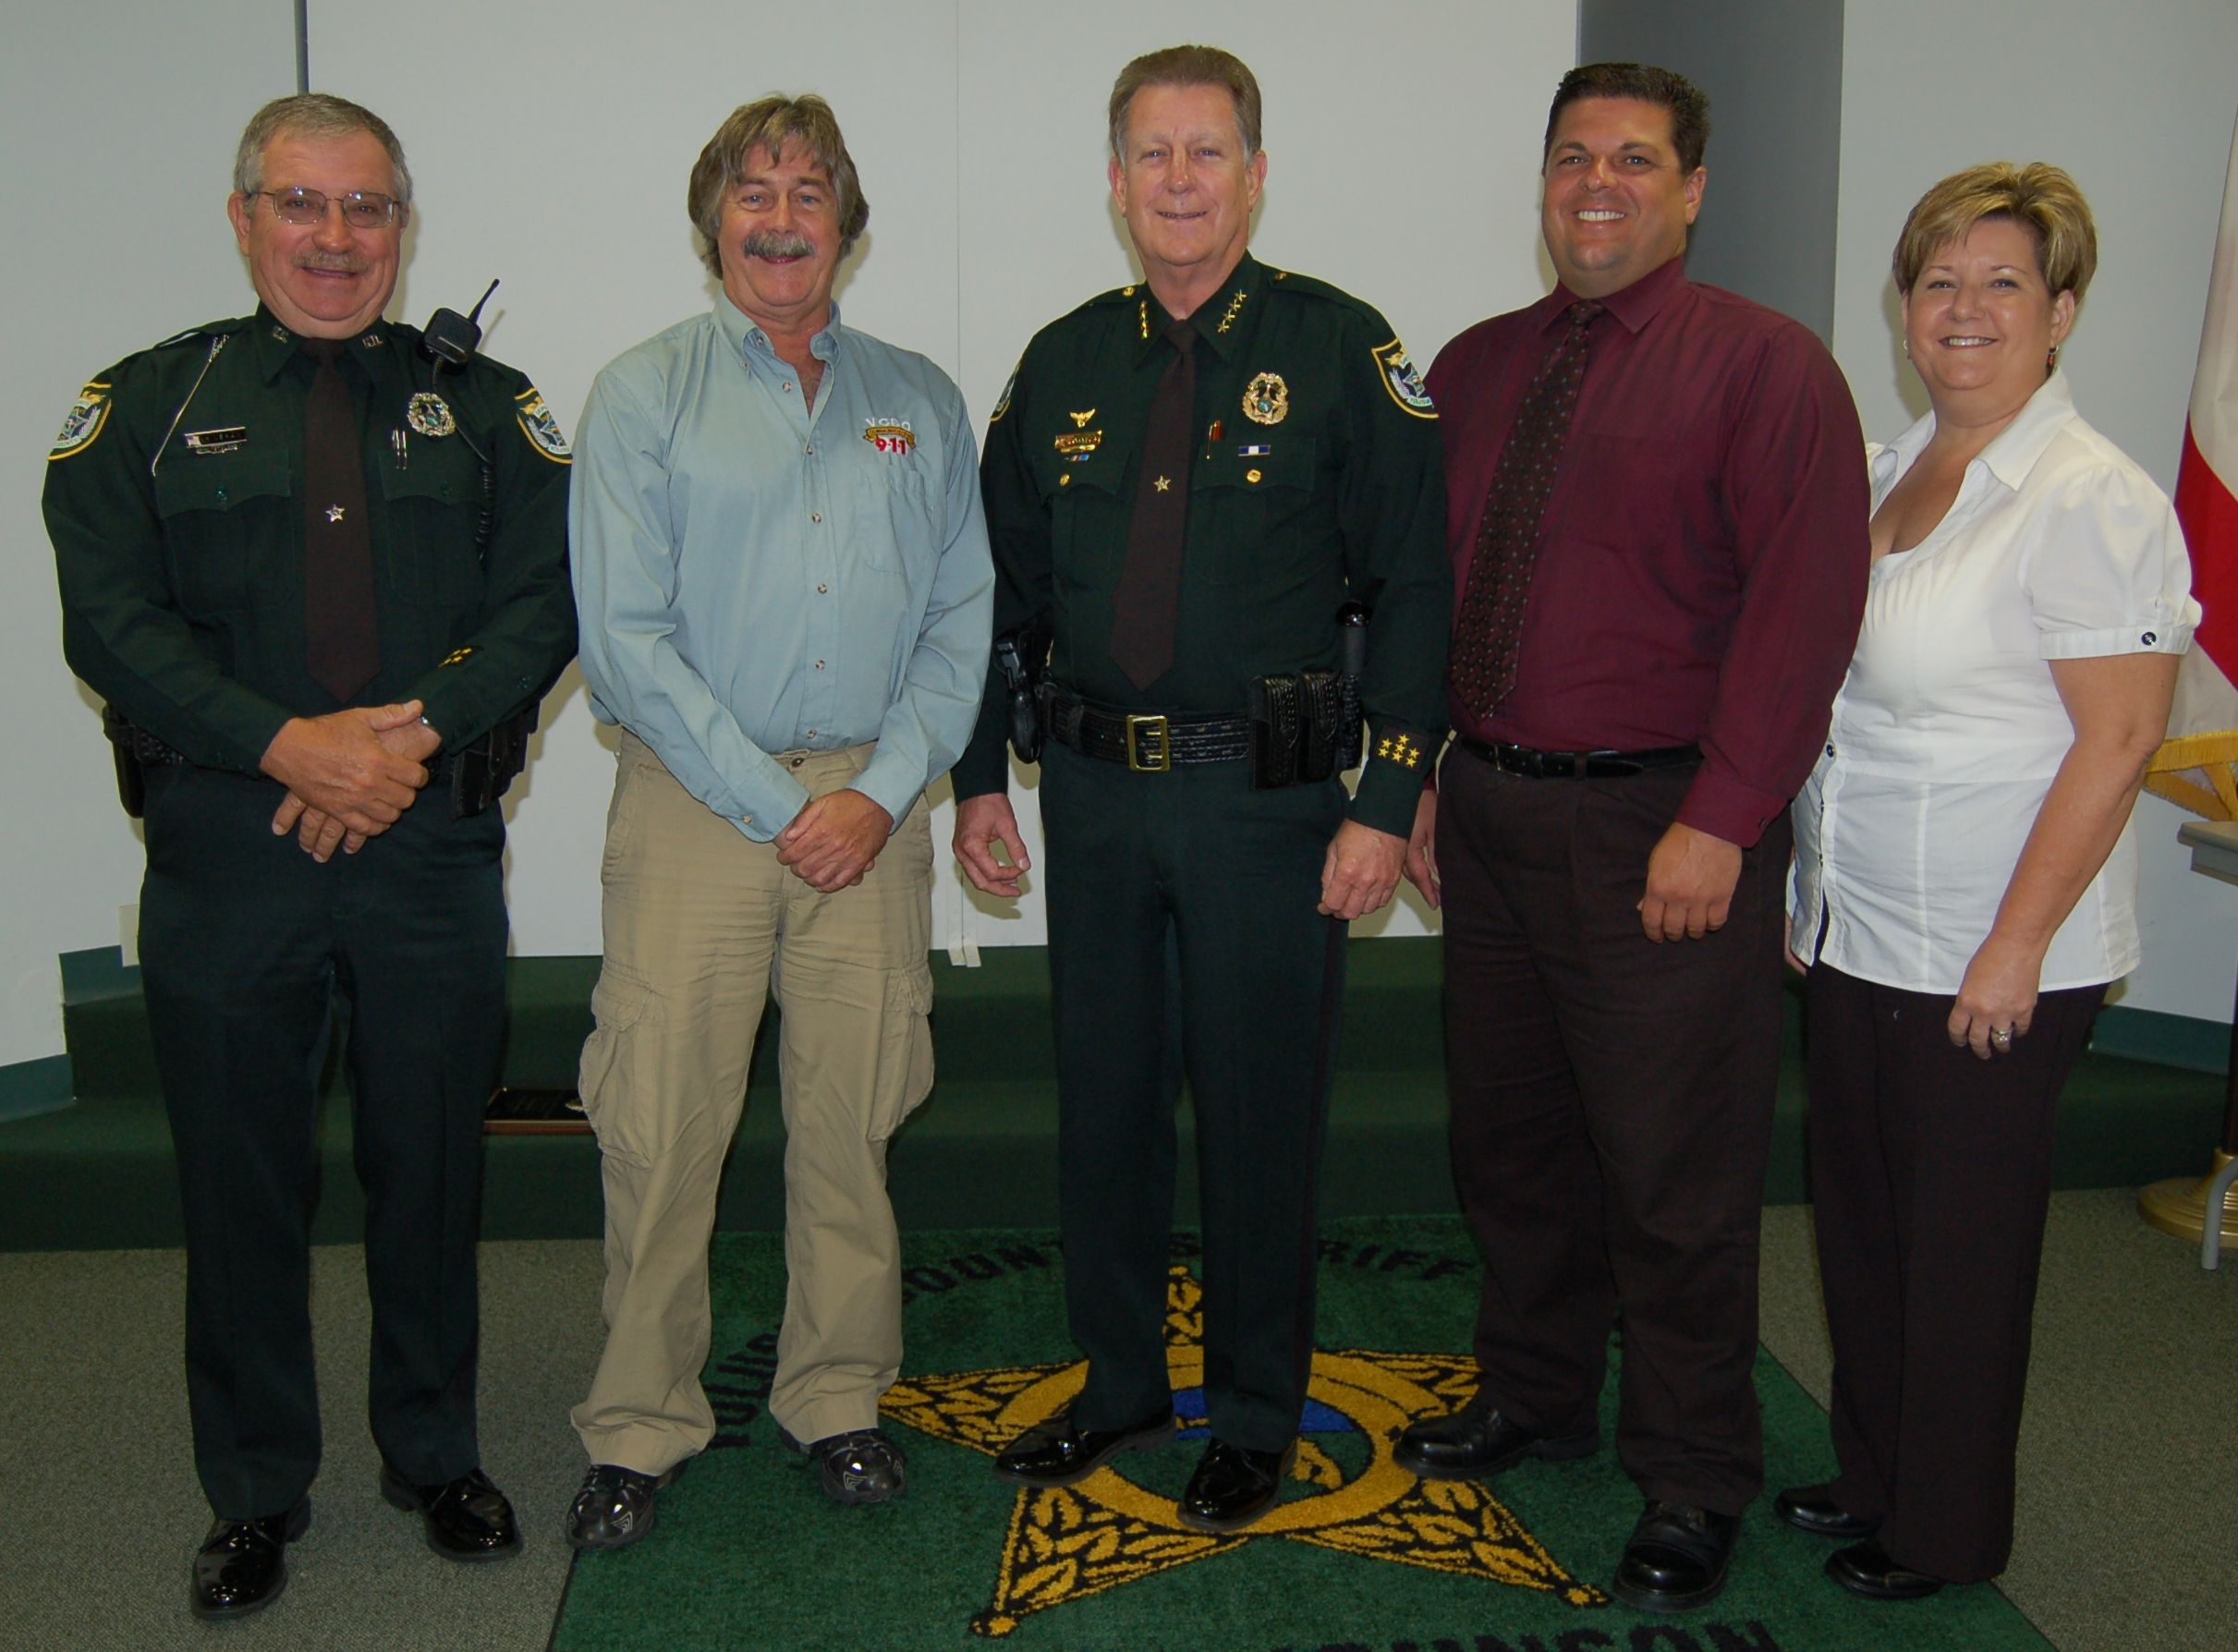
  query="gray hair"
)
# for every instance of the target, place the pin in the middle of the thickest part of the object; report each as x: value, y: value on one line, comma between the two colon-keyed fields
x: 316, y: 115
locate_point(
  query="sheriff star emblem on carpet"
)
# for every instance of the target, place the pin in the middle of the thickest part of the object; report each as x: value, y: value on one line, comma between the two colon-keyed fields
x: 1065, y: 1544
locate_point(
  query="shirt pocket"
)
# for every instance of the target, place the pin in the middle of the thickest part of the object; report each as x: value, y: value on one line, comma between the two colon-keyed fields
x: 890, y: 522
x: 1254, y: 523
x: 1087, y: 525
x: 227, y: 528
x: 435, y: 501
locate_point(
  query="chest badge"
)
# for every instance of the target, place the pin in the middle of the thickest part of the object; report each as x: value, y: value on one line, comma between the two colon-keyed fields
x: 888, y: 435
x: 1076, y: 445
x: 1267, y: 399
x: 430, y: 415
x: 1081, y: 419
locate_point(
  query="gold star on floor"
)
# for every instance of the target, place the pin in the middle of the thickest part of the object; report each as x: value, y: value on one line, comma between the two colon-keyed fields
x: 1066, y: 1543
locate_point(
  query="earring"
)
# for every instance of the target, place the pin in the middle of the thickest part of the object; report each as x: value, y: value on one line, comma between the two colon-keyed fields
x: 2051, y: 358
x: 1907, y: 349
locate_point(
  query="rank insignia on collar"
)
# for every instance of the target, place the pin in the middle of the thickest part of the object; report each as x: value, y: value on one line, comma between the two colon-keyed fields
x: 1402, y: 380
x: 429, y: 415
x: 1081, y: 419
x: 227, y: 439
x: 541, y: 428
x: 88, y: 414
x: 888, y: 435
x: 1076, y: 445
x: 1234, y: 306
x: 1267, y: 399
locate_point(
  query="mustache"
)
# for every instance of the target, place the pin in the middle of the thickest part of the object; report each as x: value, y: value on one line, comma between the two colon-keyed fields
x: 776, y: 243
x: 346, y: 262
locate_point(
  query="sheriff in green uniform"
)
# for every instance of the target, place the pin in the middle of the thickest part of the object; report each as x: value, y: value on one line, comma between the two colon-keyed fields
x: 1185, y: 482
x: 318, y: 582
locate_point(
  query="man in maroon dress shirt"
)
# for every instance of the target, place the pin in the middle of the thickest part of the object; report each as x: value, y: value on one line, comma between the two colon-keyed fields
x: 1682, y: 533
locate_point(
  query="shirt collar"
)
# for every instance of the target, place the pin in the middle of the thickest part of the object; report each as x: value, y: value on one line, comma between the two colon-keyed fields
x: 744, y: 337
x: 273, y: 345
x: 1221, y: 320
x: 2011, y: 453
x: 1634, y: 306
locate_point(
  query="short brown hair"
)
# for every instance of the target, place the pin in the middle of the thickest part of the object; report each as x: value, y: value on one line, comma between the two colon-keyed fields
x: 1187, y: 65
x: 770, y: 124
x: 1681, y: 98
x: 315, y: 115
x: 2038, y: 197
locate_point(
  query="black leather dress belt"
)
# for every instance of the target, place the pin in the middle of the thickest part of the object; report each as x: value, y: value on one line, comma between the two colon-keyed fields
x: 1576, y: 765
x: 1147, y: 742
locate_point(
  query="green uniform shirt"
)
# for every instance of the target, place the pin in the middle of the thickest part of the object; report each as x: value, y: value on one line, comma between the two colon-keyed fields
x: 1315, y: 481
x: 173, y: 498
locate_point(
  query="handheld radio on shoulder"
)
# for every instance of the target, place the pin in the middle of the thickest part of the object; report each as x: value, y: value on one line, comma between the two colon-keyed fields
x: 452, y: 338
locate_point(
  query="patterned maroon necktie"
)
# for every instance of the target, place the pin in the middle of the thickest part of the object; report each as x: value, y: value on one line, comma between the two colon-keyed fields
x: 341, y: 627
x: 1490, y: 626
x: 1144, y: 606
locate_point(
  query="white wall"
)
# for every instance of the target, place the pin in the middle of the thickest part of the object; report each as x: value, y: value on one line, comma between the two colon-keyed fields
x: 549, y: 144
x: 2137, y: 102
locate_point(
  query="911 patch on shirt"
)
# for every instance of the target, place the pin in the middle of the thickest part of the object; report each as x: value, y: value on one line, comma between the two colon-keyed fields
x: 888, y: 435
x: 1401, y: 378
x: 88, y: 414
x: 541, y: 428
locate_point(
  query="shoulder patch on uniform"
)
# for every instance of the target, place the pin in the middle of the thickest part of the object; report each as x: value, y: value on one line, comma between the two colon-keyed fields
x: 541, y: 428
x: 84, y: 421
x: 1401, y: 378
x: 1002, y: 402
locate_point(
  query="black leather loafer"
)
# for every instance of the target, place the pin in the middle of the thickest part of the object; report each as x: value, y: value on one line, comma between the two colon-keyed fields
x: 1232, y: 1487
x: 242, y: 1566
x: 1057, y: 1453
x: 1676, y: 1558
x: 1864, y: 1568
x: 858, y: 1466
x: 615, y: 1506
x: 1812, y: 1509
x: 1476, y: 1440
x: 466, y: 1519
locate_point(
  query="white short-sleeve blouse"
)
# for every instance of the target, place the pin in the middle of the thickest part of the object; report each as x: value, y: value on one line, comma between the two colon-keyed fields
x: 1948, y: 729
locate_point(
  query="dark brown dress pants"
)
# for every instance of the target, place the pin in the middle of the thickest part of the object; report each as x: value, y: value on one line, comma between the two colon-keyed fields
x: 1611, y: 1111
x: 1930, y: 1173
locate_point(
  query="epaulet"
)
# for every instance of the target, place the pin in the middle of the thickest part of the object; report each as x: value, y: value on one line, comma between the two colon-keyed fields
x: 1118, y: 295
x: 207, y: 329
x: 1290, y: 281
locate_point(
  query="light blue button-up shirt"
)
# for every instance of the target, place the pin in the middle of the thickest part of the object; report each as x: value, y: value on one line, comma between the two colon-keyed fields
x: 754, y: 576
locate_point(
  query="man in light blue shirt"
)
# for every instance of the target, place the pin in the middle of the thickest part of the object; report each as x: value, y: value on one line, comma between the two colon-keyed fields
x: 786, y: 595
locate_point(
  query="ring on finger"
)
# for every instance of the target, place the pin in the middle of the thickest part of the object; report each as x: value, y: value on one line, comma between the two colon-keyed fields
x: 2002, y: 1037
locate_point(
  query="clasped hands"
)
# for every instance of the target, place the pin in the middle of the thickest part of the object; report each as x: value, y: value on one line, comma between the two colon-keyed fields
x: 349, y: 775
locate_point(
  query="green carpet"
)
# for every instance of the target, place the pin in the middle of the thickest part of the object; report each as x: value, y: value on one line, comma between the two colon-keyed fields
x: 1358, y: 1556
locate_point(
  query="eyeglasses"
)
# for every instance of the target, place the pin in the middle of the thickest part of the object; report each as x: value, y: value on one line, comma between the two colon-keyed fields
x: 360, y: 209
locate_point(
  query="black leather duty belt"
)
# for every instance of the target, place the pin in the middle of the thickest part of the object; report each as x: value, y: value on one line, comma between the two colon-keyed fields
x: 1577, y: 765
x: 1147, y: 742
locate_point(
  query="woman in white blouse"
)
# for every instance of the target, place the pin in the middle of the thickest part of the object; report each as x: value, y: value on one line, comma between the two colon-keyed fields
x: 1966, y: 877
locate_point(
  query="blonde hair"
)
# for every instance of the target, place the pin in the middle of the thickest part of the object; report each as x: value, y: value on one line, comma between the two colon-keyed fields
x: 2038, y: 197
x: 769, y: 125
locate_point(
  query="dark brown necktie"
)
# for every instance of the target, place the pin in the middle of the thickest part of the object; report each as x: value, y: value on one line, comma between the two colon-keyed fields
x: 341, y: 628
x: 1145, y: 607
x: 1490, y: 628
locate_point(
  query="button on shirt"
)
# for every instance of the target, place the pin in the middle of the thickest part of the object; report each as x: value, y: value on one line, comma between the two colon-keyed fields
x: 1947, y: 728
x: 756, y: 577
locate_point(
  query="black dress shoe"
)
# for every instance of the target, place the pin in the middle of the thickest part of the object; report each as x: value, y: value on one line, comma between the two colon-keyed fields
x: 858, y: 1466
x: 1864, y: 1568
x: 615, y: 1506
x: 1812, y: 1509
x: 1058, y: 1454
x: 242, y: 1566
x: 1232, y: 1487
x: 467, y: 1519
x: 1676, y: 1558
x: 1476, y: 1440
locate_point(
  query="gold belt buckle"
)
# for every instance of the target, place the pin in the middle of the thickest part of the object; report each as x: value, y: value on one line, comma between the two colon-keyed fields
x: 1155, y: 725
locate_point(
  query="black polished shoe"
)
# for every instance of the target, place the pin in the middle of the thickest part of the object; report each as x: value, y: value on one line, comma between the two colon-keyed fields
x: 1864, y: 1568
x: 467, y: 1519
x: 242, y: 1566
x: 1676, y: 1558
x: 860, y: 1466
x: 1232, y: 1487
x: 1812, y: 1509
x: 1057, y: 1453
x: 1476, y: 1440
x: 615, y: 1506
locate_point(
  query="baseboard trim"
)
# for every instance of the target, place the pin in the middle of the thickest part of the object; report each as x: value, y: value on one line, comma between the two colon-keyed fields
x: 29, y: 1089
x: 2184, y: 1041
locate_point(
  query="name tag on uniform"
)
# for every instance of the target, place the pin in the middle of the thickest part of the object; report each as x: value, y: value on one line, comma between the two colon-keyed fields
x: 224, y: 438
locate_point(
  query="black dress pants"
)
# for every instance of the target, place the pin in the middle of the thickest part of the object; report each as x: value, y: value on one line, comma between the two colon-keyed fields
x: 1194, y: 867
x: 1611, y: 1112
x: 245, y: 945
x: 1930, y: 1175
